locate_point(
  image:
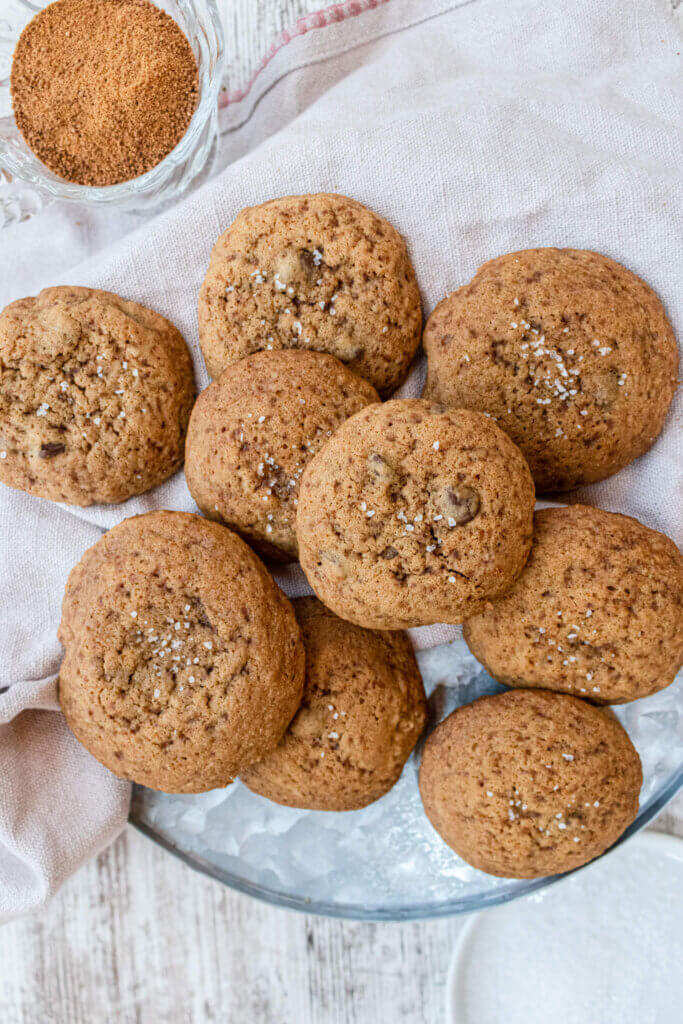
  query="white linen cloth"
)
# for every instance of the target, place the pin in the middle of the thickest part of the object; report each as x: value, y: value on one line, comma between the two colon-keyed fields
x: 476, y: 128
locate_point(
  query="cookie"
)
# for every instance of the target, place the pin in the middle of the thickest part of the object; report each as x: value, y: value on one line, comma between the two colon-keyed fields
x: 363, y: 711
x: 597, y: 610
x: 413, y: 514
x: 571, y: 353
x: 95, y: 396
x: 316, y: 271
x: 183, y: 661
x: 252, y: 433
x: 530, y: 783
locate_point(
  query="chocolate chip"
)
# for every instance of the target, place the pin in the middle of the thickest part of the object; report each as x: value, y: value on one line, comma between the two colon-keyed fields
x: 48, y: 451
x: 279, y: 482
x: 379, y: 470
x: 344, y: 349
x: 389, y: 553
x: 200, y: 612
x: 334, y: 564
x: 310, y: 264
x: 459, y: 504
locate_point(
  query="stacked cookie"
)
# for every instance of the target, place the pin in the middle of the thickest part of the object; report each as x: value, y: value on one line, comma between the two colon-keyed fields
x: 95, y: 396
x: 317, y: 272
x: 529, y: 783
x: 410, y: 512
x: 253, y: 432
x: 186, y: 666
x: 571, y: 354
x: 183, y: 660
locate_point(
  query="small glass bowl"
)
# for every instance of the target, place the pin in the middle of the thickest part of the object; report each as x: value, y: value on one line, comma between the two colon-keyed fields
x: 34, y: 185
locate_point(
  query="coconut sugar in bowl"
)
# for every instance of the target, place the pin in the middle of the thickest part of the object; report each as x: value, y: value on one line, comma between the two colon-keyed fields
x: 110, y: 101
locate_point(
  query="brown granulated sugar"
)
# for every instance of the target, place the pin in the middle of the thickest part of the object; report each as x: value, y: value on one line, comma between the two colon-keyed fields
x: 102, y: 90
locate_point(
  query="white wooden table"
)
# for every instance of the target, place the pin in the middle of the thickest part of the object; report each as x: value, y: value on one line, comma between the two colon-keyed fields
x: 138, y: 938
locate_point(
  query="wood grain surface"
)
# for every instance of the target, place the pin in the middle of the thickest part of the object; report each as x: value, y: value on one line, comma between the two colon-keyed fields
x: 251, y: 26
x: 136, y: 937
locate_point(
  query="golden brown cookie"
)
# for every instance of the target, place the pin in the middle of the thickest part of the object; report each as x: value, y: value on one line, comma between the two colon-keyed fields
x: 183, y: 661
x: 530, y: 783
x: 570, y: 352
x: 252, y: 433
x: 95, y: 396
x: 597, y: 610
x: 315, y: 271
x: 413, y: 514
x: 363, y: 711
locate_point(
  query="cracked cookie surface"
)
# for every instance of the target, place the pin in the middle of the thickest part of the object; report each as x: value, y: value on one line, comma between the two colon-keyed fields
x: 362, y: 713
x: 570, y: 352
x: 252, y: 433
x: 529, y: 783
x: 413, y: 514
x: 95, y: 396
x: 183, y: 660
x: 319, y: 272
x: 597, y: 611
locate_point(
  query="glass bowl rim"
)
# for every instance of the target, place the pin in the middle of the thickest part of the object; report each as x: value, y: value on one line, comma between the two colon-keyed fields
x: 61, y: 189
x: 514, y: 889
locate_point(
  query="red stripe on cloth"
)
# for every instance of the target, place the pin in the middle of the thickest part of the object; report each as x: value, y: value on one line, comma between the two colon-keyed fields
x: 306, y: 23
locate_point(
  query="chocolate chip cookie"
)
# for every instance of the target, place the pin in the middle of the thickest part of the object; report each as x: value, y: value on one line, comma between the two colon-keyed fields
x: 95, y: 396
x: 597, y: 610
x: 252, y: 433
x: 183, y: 660
x: 571, y: 353
x: 413, y: 514
x: 363, y: 711
x: 320, y: 272
x: 530, y: 783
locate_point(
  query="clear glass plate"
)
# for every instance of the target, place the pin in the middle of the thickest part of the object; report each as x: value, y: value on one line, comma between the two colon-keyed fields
x: 26, y: 185
x: 384, y: 862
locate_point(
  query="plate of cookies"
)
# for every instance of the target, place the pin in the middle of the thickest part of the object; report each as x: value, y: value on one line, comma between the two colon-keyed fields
x: 367, y: 672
